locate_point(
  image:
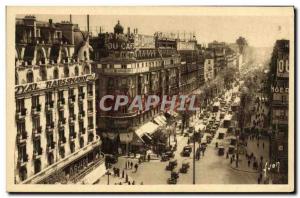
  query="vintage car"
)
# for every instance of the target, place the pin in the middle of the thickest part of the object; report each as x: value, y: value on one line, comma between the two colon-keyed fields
x: 170, y: 154
x: 186, y: 151
x: 221, y: 150
x: 172, y: 164
x: 172, y: 180
x: 164, y: 157
x: 184, y: 167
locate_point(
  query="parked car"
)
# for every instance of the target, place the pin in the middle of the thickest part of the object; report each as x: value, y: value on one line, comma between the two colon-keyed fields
x: 164, y: 157
x: 186, y: 151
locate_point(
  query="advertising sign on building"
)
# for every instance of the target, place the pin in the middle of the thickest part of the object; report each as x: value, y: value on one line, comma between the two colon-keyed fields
x: 144, y: 41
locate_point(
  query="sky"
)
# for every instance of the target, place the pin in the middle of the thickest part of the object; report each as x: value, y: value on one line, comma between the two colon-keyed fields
x: 260, y: 31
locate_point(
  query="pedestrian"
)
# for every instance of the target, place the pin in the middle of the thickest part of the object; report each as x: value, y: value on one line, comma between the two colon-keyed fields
x: 131, y: 165
x: 257, y: 144
x: 263, y: 145
x: 126, y: 165
x: 123, y: 173
x: 227, y: 155
x: 216, y: 144
x: 203, y: 152
x: 126, y: 178
x: 148, y: 158
x: 258, y: 180
x: 231, y: 160
x: 129, y: 183
x: 136, y: 167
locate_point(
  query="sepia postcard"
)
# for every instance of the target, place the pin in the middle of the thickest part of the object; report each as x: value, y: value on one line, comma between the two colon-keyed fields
x: 150, y: 99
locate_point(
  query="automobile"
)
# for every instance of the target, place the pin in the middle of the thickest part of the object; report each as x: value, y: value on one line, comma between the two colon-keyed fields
x: 204, y: 121
x: 170, y: 154
x: 186, y: 151
x: 221, y: 150
x: 172, y: 164
x: 201, y: 116
x: 211, y: 121
x: 204, y: 144
x: 184, y: 167
x: 172, y: 181
x: 164, y: 157
x: 174, y: 174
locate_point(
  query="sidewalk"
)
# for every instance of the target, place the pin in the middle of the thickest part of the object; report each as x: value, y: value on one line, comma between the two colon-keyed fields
x: 257, y: 151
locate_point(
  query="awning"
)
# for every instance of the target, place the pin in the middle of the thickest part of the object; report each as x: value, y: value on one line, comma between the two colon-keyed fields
x: 149, y: 128
x: 110, y: 136
x: 160, y: 120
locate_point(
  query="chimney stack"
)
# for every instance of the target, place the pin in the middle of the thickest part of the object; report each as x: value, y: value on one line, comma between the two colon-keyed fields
x: 70, y: 18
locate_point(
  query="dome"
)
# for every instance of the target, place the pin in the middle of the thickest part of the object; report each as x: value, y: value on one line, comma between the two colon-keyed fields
x: 118, y: 29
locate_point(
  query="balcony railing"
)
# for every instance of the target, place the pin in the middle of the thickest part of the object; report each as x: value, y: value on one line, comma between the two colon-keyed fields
x: 21, y: 113
x: 81, y: 96
x: 72, y: 118
x: 37, y: 153
x: 82, y: 113
x: 62, y: 140
x: 50, y: 126
x: 50, y: 147
x: 62, y: 121
x: 49, y: 106
x: 36, y: 132
x: 73, y: 136
x: 72, y: 98
x: 22, y: 137
x: 36, y: 109
x: 23, y: 159
x: 91, y: 126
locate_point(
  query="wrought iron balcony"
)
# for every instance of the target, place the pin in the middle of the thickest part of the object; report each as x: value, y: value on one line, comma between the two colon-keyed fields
x: 22, y: 137
x: 22, y: 160
x: 21, y: 114
x: 36, y: 109
x: 37, y: 153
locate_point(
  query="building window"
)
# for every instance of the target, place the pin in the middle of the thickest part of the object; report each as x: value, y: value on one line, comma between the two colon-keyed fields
x: 66, y: 71
x: 55, y: 74
x: 20, y: 104
x: 23, y: 173
x: 38, y: 33
x: 86, y: 69
x: 90, y: 105
x: 90, y: 89
x: 76, y: 71
x: 29, y: 76
x: 35, y: 102
x: 49, y: 119
x: 124, y: 66
x: 43, y: 74
x: 90, y: 123
x: 37, y: 166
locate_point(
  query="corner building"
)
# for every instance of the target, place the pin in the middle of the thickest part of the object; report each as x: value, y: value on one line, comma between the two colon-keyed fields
x: 132, y: 64
x: 56, y: 141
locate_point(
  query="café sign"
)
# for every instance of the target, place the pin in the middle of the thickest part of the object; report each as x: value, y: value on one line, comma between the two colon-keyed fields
x: 27, y: 88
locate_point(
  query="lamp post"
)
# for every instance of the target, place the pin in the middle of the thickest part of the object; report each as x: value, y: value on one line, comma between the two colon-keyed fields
x: 194, y: 155
x: 108, y: 173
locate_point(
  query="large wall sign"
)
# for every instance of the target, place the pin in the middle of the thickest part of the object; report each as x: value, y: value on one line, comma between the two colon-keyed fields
x: 27, y: 88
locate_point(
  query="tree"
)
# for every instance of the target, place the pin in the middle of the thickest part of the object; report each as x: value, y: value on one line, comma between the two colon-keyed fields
x: 242, y: 43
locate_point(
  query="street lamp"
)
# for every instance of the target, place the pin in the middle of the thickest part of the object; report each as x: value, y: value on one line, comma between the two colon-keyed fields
x: 194, y: 155
x: 108, y: 173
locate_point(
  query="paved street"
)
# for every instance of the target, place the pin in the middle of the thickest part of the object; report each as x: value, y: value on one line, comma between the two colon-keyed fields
x: 210, y: 169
